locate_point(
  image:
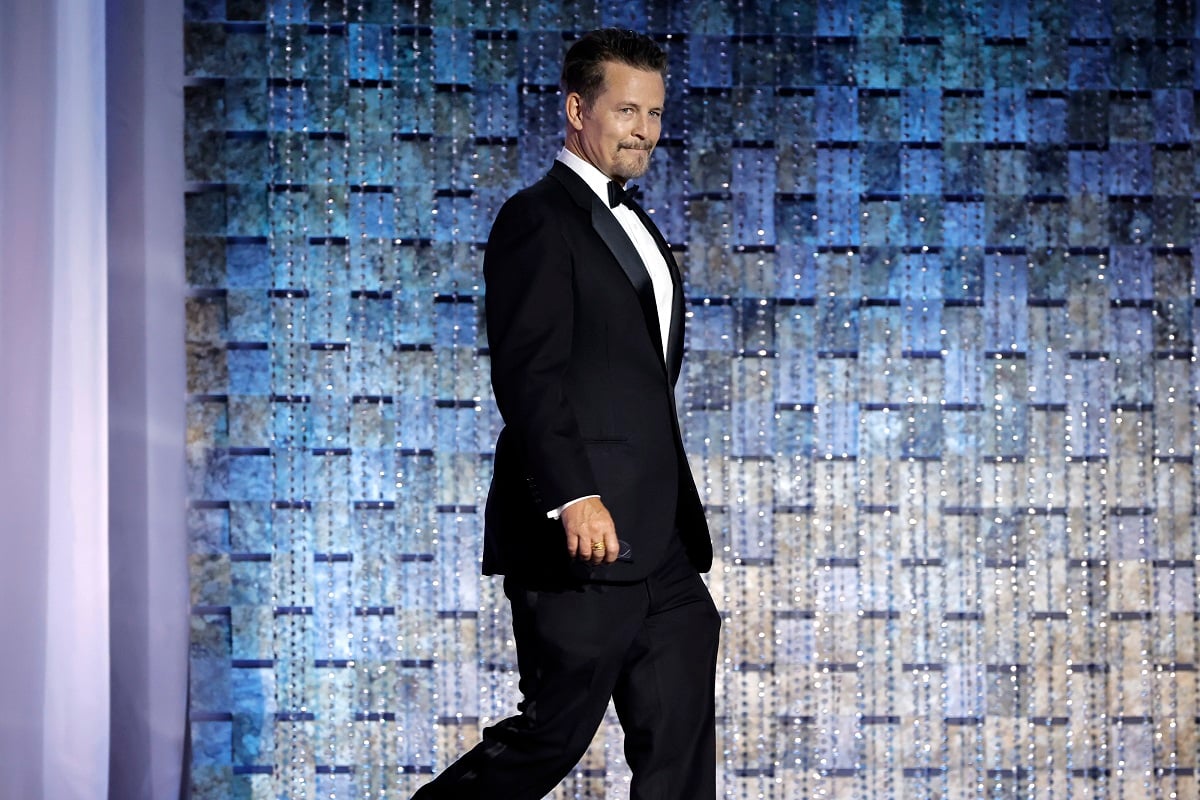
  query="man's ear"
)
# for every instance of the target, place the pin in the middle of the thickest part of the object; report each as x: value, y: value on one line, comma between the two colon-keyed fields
x: 574, y: 110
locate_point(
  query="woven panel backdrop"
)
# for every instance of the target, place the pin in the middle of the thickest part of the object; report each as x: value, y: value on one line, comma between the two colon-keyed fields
x: 940, y: 393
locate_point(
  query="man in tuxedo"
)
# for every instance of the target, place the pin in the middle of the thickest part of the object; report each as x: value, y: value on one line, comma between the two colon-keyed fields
x: 593, y: 515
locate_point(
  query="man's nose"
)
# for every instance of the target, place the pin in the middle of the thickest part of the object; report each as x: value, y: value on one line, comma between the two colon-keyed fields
x: 641, y: 126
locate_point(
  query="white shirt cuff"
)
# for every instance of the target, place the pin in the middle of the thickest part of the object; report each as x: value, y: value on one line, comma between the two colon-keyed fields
x: 555, y: 513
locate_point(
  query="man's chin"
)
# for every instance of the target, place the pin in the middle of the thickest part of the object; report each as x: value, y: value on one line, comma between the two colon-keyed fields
x: 629, y: 172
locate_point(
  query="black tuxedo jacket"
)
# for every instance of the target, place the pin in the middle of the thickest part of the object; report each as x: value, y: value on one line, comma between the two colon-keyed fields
x: 586, y: 396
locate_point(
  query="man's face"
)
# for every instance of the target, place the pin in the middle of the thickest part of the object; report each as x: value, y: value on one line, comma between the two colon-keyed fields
x: 617, y: 132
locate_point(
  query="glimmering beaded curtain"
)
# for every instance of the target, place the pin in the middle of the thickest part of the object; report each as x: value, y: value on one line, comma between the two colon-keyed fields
x: 940, y: 390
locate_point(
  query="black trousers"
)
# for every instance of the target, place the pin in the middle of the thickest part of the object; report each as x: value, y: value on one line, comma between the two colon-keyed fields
x: 650, y: 646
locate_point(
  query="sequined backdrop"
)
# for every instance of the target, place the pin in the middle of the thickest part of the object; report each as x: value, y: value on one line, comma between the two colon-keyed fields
x: 940, y: 391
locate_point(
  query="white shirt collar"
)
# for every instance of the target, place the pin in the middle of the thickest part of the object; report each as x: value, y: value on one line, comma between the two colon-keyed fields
x: 593, y: 177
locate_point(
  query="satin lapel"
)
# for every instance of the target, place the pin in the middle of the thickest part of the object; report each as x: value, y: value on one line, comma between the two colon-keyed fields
x: 627, y: 256
x: 675, y: 344
x: 620, y: 245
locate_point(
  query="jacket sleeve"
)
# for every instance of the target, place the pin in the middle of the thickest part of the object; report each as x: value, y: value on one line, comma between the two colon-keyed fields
x: 530, y: 305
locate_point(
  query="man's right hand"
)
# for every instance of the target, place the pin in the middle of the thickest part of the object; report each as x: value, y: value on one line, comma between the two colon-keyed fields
x: 591, y: 534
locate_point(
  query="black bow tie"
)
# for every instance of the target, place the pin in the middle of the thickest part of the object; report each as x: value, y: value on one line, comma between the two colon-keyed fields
x: 618, y: 194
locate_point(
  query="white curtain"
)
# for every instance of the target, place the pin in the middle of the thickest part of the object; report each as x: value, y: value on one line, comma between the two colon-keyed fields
x: 93, y: 574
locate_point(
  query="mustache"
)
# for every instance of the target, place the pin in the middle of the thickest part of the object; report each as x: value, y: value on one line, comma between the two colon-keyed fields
x: 644, y: 147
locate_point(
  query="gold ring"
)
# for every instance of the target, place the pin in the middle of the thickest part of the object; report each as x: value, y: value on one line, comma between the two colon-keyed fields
x: 598, y: 547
